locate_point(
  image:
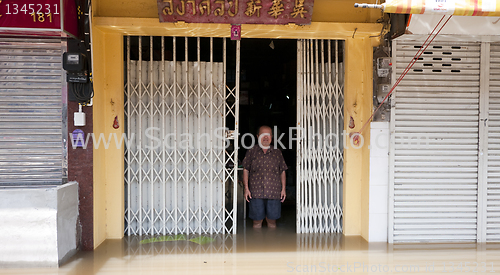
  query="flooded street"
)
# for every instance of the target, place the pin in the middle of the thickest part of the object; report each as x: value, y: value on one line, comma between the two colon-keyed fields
x: 278, y: 251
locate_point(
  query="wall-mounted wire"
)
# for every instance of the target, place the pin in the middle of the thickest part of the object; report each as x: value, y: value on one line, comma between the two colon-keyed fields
x: 83, y: 92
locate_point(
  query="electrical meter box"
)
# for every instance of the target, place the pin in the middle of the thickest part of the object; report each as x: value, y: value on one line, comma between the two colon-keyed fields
x: 384, y: 65
x: 76, y: 67
x: 382, y: 91
x: 74, y: 62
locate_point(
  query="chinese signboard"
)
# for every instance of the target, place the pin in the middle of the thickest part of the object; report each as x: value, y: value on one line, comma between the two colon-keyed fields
x: 48, y: 17
x: 236, y: 11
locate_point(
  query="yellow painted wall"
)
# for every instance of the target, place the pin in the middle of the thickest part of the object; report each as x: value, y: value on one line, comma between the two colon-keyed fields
x: 99, y: 157
x: 317, y: 30
x: 358, y: 105
x: 114, y: 156
x: 108, y: 162
x: 332, y: 20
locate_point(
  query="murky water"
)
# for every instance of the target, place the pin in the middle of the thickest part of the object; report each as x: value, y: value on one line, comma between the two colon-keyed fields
x: 278, y: 251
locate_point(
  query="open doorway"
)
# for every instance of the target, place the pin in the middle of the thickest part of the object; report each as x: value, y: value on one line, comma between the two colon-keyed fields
x: 290, y: 83
x: 268, y: 96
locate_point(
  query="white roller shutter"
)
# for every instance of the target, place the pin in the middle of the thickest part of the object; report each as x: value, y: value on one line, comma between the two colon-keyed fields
x: 434, y: 143
x: 493, y: 186
x: 31, y: 108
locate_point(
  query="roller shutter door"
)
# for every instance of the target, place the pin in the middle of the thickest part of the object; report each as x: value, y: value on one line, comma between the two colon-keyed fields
x: 434, y: 143
x: 493, y: 186
x: 31, y: 128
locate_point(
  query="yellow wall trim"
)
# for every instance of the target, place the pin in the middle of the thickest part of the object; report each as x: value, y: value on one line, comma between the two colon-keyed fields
x: 358, y: 104
x: 107, y: 50
x: 317, y: 30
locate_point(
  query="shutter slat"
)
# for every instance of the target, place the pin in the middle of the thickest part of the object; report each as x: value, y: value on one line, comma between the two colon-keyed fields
x: 493, y: 184
x: 31, y: 85
x: 435, y: 143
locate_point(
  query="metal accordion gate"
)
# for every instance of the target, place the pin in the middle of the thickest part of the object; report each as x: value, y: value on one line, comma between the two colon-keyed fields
x: 320, y: 102
x: 182, y: 128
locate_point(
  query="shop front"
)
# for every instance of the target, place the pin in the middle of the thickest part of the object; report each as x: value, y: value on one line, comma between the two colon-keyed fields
x: 182, y: 94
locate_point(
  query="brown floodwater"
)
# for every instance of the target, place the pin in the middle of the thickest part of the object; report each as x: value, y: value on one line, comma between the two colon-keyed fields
x: 275, y: 251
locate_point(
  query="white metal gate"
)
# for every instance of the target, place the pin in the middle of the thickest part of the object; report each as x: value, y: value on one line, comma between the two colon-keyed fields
x: 180, y: 162
x: 320, y: 103
x: 434, y: 143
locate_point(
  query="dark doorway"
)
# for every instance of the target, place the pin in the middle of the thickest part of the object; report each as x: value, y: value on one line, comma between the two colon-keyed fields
x: 268, y: 95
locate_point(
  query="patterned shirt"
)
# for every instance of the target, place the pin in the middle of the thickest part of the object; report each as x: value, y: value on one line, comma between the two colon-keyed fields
x: 264, y: 177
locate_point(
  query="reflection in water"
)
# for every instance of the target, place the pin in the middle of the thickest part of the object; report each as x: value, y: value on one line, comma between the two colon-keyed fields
x: 248, y: 239
x: 268, y: 251
x: 262, y: 240
x: 220, y: 244
x: 318, y: 242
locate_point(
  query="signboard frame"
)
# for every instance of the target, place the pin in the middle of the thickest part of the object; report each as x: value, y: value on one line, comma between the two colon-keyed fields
x: 237, y: 11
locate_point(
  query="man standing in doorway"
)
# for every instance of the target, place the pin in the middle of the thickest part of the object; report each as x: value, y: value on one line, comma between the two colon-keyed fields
x: 264, y: 179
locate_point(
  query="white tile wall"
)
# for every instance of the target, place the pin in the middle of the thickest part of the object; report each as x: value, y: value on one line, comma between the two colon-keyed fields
x: 378, y: 227
x: 379, y: 170
x: 378, y: 199
x: 379, y: 182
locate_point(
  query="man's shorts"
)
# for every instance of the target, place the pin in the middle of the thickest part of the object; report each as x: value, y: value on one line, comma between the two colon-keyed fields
x: 261, y: 208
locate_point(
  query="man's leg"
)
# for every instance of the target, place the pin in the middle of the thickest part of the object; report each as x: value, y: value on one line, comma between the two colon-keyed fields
x: 256, y: 212
x: 271, y: 223
x: 273, y: 212
x: 257, y: 224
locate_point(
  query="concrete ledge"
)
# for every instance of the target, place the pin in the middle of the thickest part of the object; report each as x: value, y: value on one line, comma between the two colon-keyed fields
x: 38, y: 225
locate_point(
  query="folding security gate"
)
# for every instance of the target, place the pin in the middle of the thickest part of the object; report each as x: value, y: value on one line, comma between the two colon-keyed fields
x: 445, y: 144
x: 33, y: 132
x: 182, y: 123
x: 320, y: 103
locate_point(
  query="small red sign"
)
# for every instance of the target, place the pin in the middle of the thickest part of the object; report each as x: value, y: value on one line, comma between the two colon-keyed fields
x: 236, y: 32
x: 237, y: 11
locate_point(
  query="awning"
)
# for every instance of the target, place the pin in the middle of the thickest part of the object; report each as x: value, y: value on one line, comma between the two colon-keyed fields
x: 451, y: 7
